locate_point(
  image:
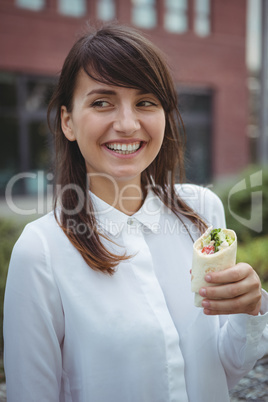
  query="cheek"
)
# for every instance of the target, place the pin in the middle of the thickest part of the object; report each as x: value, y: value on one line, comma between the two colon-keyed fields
x: 159, y: 129
x: 85, y: 144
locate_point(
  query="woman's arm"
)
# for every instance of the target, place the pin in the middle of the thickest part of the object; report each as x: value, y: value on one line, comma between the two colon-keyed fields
x: 33, y: 323
x: 242, y: 308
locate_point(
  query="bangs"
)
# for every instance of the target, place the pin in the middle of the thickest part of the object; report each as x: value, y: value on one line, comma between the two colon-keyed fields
x: 117, y: 61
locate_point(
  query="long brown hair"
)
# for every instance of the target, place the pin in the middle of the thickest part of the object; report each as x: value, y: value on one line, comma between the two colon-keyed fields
x: 115, y: 55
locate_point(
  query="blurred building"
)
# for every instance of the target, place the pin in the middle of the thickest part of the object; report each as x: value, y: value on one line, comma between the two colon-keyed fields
x: 205, y: 45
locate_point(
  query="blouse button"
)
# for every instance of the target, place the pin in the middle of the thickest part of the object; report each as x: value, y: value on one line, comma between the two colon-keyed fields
x: 130, y: 221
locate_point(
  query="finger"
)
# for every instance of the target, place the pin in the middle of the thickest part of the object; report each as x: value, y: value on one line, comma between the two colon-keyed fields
x: 232, y: 274
x: 250, y: 283
x: 228, y: 291
x: 247, y: 304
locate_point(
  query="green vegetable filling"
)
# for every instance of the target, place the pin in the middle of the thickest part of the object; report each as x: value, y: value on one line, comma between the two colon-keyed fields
x: 218, y: 236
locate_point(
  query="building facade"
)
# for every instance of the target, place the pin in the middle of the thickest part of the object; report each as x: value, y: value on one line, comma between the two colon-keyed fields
x: 204, y: 41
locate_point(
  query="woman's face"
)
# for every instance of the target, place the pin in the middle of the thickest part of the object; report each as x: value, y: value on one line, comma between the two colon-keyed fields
x: 119, y: 130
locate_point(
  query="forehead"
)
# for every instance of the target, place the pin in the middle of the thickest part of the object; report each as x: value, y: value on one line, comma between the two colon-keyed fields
x: 83, y: 82
x: 86, y: 86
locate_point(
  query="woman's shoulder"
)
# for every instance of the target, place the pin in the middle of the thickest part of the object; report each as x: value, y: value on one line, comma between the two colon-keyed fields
x: 36, y: 233
x: 203, y: 201
x: 31, y: 275
x: 196, y: 196
x: 44, y: 224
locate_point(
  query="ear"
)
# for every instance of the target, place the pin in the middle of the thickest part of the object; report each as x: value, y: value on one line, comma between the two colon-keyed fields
x: 66, y: 124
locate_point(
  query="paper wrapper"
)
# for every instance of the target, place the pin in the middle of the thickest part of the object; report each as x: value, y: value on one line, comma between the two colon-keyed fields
x: 203, y: 264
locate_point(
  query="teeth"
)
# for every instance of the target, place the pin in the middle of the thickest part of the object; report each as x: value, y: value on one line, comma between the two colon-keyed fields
x: 124, y: 148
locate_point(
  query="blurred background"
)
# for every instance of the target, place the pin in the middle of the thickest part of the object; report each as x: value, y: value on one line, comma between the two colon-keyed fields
x: 218, y: 54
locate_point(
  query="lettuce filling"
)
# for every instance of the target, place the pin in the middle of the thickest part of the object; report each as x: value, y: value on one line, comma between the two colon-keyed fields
x: 215, y: 241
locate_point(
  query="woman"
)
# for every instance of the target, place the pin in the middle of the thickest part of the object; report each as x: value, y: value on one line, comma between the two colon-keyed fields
x: 98, y: 304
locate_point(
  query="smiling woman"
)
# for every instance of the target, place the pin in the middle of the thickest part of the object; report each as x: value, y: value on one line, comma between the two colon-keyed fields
x: 116, y: 81
x: 128, y: 132
x: 98, y: 303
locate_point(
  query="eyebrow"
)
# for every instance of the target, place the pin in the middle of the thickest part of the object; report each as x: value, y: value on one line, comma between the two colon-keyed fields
x: 101, y: 92
x: 105, y: 91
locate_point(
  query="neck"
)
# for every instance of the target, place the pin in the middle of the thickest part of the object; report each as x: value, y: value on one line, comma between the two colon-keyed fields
x: 127, y: 197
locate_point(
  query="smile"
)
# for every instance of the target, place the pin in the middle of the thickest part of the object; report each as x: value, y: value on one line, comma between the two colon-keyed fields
x: 124, y: 149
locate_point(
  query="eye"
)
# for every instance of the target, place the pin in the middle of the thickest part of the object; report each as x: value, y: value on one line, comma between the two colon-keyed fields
x: 100, y: 104
x: 146, y: 103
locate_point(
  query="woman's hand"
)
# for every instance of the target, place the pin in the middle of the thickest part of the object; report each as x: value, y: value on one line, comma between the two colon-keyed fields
x: 238, y: 290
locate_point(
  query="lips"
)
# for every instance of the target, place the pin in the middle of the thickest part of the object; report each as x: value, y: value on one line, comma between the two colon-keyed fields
x: 123, y: 148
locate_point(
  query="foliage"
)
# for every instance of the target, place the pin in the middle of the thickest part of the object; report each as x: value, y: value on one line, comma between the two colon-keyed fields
x: 255, y: 253
x: 240, y: 204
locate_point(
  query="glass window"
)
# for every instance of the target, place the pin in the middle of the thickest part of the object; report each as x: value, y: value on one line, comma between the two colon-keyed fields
x: 106, y: 10
x: 25, y: 145
x: 35, y: 5
x: 144, y: 13
x: 9, y: 150
x: 8, y: 94
x: 72, y: 8
x: 9, y: 125
x: 38, y: 95
x: 38, y: 141
x: 196, y: 111
x: 202, y: 17
x: 176, y: 16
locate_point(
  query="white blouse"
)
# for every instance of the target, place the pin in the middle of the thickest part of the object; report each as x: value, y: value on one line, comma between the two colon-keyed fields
x: 74, y: 334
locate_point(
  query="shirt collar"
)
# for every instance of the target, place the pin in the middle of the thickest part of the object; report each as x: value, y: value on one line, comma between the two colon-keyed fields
x: 113, y: 220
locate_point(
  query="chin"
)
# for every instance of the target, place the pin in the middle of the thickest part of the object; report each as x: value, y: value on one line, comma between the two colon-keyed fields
x: 127, y: 178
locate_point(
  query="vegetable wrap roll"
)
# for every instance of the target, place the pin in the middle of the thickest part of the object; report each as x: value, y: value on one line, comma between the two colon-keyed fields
x: 214, y: 251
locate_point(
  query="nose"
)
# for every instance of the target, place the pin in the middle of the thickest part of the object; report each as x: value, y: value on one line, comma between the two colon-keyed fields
x: 126, y: 121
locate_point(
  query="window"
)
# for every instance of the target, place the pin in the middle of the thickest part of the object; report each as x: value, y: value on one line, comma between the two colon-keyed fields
x: 176, y: 17
x: 34, y: 5
x: 144, y: 13
x: 9, y: 150
x: 106, y: 10
x: 202, y: 17
x: 72, y: 8
x: 26, y: 146
x: 196, y: 110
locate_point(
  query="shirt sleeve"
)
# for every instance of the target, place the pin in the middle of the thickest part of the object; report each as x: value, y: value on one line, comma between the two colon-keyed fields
x: 33, y: 323
x: 243, y: 338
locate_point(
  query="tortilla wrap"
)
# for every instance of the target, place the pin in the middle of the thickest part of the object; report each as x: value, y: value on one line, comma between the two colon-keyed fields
x: 204, y: 263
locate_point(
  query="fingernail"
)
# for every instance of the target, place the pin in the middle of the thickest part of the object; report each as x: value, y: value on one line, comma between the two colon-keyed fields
x: 203, y: 292
x: 205, y: 304
x: 208, y: 278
